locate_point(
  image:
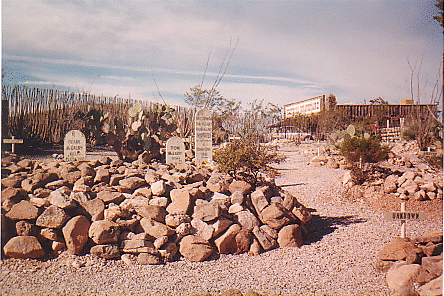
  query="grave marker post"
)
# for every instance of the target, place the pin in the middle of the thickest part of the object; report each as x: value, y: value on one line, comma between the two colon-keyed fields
x: 203, y: 134
x: 74, y: 146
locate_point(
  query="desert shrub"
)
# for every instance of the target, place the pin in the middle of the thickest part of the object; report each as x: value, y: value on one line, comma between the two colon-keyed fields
x: 243, y: 159
x: 363, y: 149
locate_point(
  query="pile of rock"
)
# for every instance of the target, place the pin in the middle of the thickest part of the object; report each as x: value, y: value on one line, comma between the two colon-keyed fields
x: 334, y: 162
x: 413, y: 184
x: 414, y: 267
x: 153, y: 211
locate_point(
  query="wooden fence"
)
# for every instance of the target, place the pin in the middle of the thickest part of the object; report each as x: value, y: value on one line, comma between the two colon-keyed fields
x: 46, y: 115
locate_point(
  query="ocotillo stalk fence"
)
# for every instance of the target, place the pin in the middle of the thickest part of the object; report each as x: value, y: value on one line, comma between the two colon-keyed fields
x: 46, y: 115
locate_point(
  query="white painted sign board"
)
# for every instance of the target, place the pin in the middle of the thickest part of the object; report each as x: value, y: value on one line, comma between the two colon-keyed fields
x: 398, y: 215
x: 75, y: 146
x: 203, y: 132
x: 175, y: 151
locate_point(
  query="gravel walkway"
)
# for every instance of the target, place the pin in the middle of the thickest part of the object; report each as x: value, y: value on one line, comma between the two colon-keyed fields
x: 337, y: 259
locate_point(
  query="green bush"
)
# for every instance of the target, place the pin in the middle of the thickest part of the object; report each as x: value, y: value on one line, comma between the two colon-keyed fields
x: 365, y: 149
x: 243, y: 159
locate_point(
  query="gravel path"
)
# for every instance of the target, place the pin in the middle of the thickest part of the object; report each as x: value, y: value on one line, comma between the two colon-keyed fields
x: 338, y: 258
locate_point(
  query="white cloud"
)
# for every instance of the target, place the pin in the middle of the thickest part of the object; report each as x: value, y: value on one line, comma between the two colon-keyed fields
x: 295, y: 49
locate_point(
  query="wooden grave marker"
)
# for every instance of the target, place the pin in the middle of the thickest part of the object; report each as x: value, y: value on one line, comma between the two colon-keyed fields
x: 13, y: 141
x: 203, y: 134
x: 175, y: 151
x: 74, y: 146
x: 403, y: 216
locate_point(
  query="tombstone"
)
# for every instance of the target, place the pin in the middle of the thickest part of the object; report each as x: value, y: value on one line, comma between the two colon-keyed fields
x: 203, y: 133
x: 175, y: 151
x: 75, y: 146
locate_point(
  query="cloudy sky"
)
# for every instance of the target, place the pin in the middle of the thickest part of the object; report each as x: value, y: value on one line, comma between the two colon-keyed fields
x: 284, y: 51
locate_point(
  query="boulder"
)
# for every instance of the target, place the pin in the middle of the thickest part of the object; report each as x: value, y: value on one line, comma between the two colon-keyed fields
x: 156, y: 229
x: 237, y: 197
x: 221, y: 225
x: 433, y: 264
x: 94, y: 208
x: 158, y: 188
x: 23, y: 210
x: 185, y: 229
x: 434, y: 287
x: 224, y: 242
x: 148, y: 259
x: 390, y: 184
x: 177, y: 219
x: 75, y: 233
x: 132, y: 183
x: 105, y: 251
x: 402, y: 275
x: 207, y: 212
x: 275, y: 216
x: 102, y: 175
x: 154, y: 212
x: 203, y: 230
x: 52, y: 217
x: 23, y: 247
x: 398, y: 249
x: 242, y: 242
x: 181, y: 202
x: 240, y: 185
x: 266, y: 243
x: 290, y: 236
x: 259, y: 200
x: 247, y: 219
x: 61, y: 200
x: 302, y: 214
x: 195, y: 249
x: 235, y: 208
x: 110, y: 196
x: 104, y: 232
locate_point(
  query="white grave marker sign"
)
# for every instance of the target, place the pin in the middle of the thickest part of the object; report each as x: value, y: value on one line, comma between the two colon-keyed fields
x: 75, y: 146
x: 175, y: 151
x: 203, y: 131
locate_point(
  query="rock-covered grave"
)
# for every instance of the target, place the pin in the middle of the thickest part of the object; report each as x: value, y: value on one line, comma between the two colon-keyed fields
x: 154, y: 211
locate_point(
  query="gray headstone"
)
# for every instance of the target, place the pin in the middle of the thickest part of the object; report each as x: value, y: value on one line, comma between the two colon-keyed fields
x: 175, y: 151
x: 203, y: 136
x: 75, y: 146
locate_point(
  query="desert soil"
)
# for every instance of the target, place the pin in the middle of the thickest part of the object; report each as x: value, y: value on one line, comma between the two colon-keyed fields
x: 337, y: 258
